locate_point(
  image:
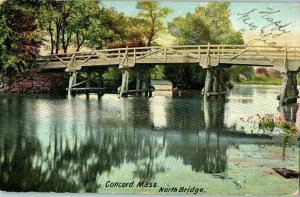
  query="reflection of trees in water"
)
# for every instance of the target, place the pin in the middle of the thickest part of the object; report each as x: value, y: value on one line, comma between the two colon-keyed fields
x: 68, y: 162
x: 185, y: 114
x: 289, y: 112
x: 290, y: 115
x: 146, y: 168
x: 145, y: 147
x: 246, y: 91
x: 69, y: 152
x: 209, y: 156
x: 141, y: 113
x: 16, y: 167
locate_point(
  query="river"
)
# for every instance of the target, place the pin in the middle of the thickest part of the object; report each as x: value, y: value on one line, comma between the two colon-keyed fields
x: 49, y: 143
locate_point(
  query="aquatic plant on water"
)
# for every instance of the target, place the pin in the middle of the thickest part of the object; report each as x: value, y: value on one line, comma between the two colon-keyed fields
x: 269, y: 124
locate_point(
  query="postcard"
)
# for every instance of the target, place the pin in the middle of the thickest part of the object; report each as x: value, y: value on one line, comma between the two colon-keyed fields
x: 150, y: 97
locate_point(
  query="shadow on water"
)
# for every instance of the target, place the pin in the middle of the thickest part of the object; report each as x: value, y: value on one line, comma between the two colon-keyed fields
x: 66, y: 145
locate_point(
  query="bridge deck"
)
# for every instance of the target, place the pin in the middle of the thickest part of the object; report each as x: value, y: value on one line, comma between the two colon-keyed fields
x: 281, y: 57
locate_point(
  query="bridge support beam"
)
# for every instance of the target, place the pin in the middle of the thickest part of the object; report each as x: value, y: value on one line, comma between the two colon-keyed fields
x: 72, y: 81
x: 125, y: 83
x: 289, y: 91
x: 146, y: 84
x: 214, y: 83
x: 92, y: 82
x: 100, y: 83
x: 138, y: 84
x: 87, y: 84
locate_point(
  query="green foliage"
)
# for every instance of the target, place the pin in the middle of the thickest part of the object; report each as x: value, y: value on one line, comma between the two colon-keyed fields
x: 69, y: 24
x: 235, y: 71
x: 208, y: 24
x: 158, y: 72
x: 186, y: 76
x: 112, y: 74
x: 267, y: 123
x: 19, y: 36
x: 152, y: 16
x: 262, y: 79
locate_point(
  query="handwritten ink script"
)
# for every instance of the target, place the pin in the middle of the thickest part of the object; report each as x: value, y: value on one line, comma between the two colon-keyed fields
x: 269, y: 29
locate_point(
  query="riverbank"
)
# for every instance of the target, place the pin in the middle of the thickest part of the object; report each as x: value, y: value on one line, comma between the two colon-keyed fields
x: 28, y: 83
x: 262, y: 79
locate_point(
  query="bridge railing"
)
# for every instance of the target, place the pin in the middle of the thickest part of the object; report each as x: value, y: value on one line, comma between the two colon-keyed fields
x: 193, y: 51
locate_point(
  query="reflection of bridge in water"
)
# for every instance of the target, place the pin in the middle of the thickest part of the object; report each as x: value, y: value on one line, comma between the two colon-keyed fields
x: 77, y: 148
x: 213, y: 58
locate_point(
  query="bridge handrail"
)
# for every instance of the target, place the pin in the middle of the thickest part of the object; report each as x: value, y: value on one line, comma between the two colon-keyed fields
x: 221, y: 47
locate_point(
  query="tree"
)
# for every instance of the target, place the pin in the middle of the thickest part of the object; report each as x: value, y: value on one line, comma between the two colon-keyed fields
x: 20, y: 36
x: 152, y: 16
x: 82, y: 23
x: 208, y: 24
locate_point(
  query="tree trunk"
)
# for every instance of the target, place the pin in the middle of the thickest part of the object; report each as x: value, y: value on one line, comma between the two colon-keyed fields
x: 58, y: 28
x: 63, y: 41
x: 51, y: 36
x: 79, y: 44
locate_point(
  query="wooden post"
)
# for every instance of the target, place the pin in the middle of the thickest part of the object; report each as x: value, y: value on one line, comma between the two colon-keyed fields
x: 138, y: 83
x: 75, y: 78
x: 219, y: 54
x: 207, y: 82
x: 71, y: 82
x: 294, y: 90
x: 289, y: 91
x: 123, y: 84
x: 295, y: 84
x: 222, y: 87
x: 215, y: 80
x: 283, y: 89
x: 144, y: 85
x: 127, y: 81
x: 100, y: 83
x: 88, y: 76
x: 288, y: 85
x: 207, y: 63
x: 206, y: 112
x: 134, y: 56
x: 165, y: 54
x: 199, y: 54
x: 144, y: 88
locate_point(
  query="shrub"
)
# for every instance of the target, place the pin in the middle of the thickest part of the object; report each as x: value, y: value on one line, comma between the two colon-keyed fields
x: 262, y: 71
x: 235, y: 71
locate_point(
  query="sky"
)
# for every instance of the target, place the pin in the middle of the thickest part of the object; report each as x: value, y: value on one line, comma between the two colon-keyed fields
x: 288, y: 13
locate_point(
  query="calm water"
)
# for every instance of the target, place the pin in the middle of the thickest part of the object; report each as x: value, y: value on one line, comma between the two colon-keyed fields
x: 77, y: 145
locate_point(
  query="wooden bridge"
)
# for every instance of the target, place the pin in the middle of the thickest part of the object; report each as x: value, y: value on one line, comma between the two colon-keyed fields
x: 214, y: 58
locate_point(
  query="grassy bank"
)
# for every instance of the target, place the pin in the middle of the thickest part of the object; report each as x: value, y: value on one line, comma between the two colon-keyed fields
x: 261, y: 79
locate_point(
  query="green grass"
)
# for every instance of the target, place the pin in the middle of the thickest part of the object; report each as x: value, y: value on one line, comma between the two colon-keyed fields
x: 261, y: 79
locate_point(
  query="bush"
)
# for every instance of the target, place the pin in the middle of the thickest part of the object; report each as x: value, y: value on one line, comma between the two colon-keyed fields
x: 262, y: 71
x: 235, y: 71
